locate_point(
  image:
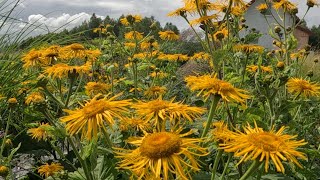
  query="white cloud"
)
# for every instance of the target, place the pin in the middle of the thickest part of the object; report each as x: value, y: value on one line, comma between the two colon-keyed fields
x: 64, y: 21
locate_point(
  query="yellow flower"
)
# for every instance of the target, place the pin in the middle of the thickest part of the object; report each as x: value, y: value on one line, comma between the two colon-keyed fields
x: 286, y: 5
x: 220, y: 35
x: 63, y: 70
x: 33, y: 59
x: 178, y: 12
x: 135, y: 124
x: 130, y: 45
x: 298, y: 87
x: 159, y: 111
x: 168, y: 35
x: 158, y: 74
x: 35, y: 98
x: 263, y: 8
x: 155, y: 91
x: 148, y: 45
x: 212, y: 86
x: 47, y: 170
x: 41, y: 132
x: 130, y: 19
x: 312, y: 3
x: 249, y: 48
x: 91, y: 117
x: 133, y: 35
x: 161, y: 154
x: 201, y: 56
x: 4, y: 171
x: 256, y: 144
x: 254, y: 69
x: 94, y: 88
x: 12, y: 101
x: 92, y: 55
x: 221, y: 133
x: 204, y: 20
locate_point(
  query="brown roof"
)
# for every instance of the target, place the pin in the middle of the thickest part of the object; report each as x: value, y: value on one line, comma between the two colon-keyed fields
x: 304, y: 29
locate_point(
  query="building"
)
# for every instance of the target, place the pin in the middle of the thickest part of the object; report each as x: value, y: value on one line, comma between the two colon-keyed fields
x: 266, y: 23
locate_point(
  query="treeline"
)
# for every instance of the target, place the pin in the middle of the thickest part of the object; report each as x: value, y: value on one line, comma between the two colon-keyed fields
x: 314, y: 40
x: 85, y: 32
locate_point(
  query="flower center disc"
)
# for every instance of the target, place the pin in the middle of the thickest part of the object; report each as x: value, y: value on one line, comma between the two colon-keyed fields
x: 266, y: 141
x: 94, y: 108
x: 160, y: 145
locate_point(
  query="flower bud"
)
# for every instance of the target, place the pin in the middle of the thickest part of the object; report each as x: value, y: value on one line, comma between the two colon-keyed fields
x: 4, y: 171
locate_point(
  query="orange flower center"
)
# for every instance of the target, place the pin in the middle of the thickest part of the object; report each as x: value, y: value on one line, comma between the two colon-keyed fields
x: 266, y: 141
x: 94, y: 108
x: 160, y: 145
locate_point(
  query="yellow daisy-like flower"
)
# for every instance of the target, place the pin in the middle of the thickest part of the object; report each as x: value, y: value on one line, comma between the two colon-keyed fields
x: 63, y: 70
x: 178, y: 12
x: 263, y: 8
x: 254, y: 69
x: 35, y: 98
x: 249, y: 48
x: 158, y: 74
x: 133, y: 35
x: 221, y: 133
x: 92, y: 116
x: 161, y: 154
x: 168, y: 35
x: 33, y: 59
x: 201, y: 56
x: 130, y: 19
x: 286, y: 5
x: 94, y: 88
x: 134, y: 123
x: 47, y: 170
x: 4, y: 171
x: 155, y: 91
x: 204, y: 19
x: 298, y: 87
x: 159, y: 111
x: 41, y: 132
x: 148, y: 45
x: 256, y: 144
x: 221, y: 34
x: 130, y: 45
x: 208, y: 86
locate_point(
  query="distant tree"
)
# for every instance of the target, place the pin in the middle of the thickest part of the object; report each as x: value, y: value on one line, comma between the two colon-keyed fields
x: 171, y: 27
x: 314, y: 39
x: 93, y: 23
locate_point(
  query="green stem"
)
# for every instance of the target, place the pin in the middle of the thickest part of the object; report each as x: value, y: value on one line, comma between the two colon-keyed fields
x: 251, y: 169
x: 5, y: 133
x: 226, y: 166
x: 69, y: 92
x: 82, y: 162
x: 107, y: 136
x: 216, y: 162
x: 213, y: 108
x: 62, y: 155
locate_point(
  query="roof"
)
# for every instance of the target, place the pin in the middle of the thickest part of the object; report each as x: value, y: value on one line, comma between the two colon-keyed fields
x: 304, y: 29
x: 301, y: 28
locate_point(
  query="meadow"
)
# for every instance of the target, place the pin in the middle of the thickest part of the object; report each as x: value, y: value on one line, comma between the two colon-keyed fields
x: 131, y: 106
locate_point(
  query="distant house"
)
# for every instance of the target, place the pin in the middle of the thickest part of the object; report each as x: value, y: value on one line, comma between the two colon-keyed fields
x: 257, y: 21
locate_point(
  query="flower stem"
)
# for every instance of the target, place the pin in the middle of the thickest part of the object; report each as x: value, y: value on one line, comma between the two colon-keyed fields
x: 226, y: 166
x: 251, y: 169
x: 82, y: 162
x: 213, y: 108
x: 5, y: 133
x: 216, y: 162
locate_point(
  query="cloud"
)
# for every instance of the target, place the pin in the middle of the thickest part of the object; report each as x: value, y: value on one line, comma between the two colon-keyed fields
x: 64, y: 21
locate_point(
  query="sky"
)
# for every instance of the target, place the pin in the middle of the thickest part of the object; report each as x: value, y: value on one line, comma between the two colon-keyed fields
x: 52, y: 14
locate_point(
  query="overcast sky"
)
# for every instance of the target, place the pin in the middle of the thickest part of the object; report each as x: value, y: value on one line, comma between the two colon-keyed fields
x: 55, y: 13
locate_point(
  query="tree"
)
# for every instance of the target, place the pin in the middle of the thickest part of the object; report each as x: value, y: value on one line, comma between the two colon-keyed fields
x: 314, y: 39
x: 171, y: 27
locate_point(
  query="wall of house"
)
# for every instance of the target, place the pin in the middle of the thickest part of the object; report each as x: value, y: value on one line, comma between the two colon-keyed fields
x: 256, y: 20
x: 302, y: 37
